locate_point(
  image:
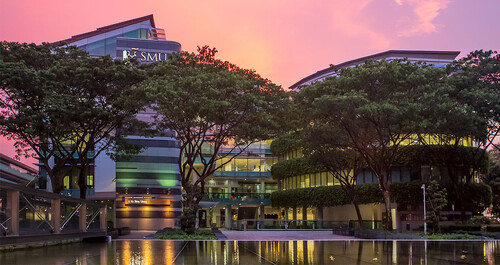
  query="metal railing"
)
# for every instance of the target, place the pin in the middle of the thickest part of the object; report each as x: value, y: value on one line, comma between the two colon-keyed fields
x: 28, y: 211
x: 237, y: 196
x: 281, y: 224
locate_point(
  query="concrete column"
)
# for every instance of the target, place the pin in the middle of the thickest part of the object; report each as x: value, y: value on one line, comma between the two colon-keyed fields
x: 82, y: 218
x: 55, y: 211
x: 261, y: 211
x: 13, y: 212
x: 294, y: 213
x: 229, y: 187
x: 102, y: 219
x: 286, y: 213
x: 229, y: 217
x: 262, y: 187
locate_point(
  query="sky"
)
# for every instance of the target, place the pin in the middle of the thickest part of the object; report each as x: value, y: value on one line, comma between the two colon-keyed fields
x: 282, y: 40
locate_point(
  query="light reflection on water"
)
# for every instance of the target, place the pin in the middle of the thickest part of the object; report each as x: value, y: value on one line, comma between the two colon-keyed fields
x: 152, y: 252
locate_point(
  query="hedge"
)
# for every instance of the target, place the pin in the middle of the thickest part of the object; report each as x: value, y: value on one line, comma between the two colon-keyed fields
x: 294, y: 167
x: 403, y: 193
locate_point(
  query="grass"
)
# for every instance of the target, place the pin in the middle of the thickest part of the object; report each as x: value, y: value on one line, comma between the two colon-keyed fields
x: 200, y: 234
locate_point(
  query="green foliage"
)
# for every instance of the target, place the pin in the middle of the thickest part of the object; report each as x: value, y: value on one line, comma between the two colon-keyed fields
x: 188, y: 220
x: 286, y: 143
x: 403, y: 193
x: 200, y: 234
x: 475, y: 197
x: 436, y: 199
x: 294, y: 167
x: 451, y: 236
x: 325, y: 196
x: 61, y: 105
x: 212, y: 103
x: 493, y: 179
x: 442, y: 155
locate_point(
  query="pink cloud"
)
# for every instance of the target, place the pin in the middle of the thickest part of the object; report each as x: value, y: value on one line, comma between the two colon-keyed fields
x: 426, y: 11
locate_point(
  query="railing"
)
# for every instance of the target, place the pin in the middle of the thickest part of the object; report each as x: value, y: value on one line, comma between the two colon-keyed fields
x: 239, y: 197
x: 281, y: 224
x: 76, y: 192
x: 28, y: 211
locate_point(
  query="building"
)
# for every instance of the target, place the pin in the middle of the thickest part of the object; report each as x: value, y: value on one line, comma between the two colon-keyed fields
x: 13, y: 171
x: 436, y: 58
x: 410, y: 218
x: 144, y: 192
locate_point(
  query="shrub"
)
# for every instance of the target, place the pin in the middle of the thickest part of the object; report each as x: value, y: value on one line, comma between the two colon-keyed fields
x: 200, y: 234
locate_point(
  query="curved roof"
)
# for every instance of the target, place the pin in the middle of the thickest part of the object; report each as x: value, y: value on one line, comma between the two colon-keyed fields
x: 445, y: 56
x: 111, y: 27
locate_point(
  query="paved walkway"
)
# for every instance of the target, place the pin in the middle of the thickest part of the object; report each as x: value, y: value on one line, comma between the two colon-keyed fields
x: 137, y: 235
x: 283, y: 235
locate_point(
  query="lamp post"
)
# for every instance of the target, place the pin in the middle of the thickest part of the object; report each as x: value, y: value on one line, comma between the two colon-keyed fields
x: 425, y: 212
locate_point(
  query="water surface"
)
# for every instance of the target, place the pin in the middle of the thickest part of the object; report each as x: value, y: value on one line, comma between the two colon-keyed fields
x: 151, y: 252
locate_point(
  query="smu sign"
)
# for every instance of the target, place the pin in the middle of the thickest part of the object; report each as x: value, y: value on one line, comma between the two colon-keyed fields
x: 143, y: 56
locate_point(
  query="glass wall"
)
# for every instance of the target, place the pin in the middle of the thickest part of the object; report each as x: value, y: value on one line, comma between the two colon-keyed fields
x: 108, y: 46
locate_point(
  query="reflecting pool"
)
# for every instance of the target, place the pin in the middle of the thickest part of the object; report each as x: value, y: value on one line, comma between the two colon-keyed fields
x: 136, y: 252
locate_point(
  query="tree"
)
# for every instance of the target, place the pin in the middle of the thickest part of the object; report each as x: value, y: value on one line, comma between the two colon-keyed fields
x: 211, y: 104
x: 493, y: 179
x: 436, y: 199
x: 106, y: 97
x: 321, y: 144
x: 465, y: 113
x: 34, y: 112
x: 377, y: 107
x: 65, y: 107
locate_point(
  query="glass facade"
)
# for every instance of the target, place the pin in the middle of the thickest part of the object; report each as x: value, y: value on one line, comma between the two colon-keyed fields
x: 107, y: 46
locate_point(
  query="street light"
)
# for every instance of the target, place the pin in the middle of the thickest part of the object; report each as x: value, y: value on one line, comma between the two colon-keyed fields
x: 425, y: 212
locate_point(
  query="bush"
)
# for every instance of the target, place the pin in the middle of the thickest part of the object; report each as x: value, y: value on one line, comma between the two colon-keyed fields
x: 330, y: 196
x: 493, y: 228
x: 294, y: 167
x: 200, y: 234
x: 451, y: 236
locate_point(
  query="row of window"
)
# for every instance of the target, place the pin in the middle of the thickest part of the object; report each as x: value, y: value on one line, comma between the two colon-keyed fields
x: 247, y: 164
x: 398, y: 174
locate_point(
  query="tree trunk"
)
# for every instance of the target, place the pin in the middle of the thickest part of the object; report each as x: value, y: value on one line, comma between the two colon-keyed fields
x: 57, y: 184
x: 358, y: 211
x: 82, y: 182
x: 351, y: 193
x: 388, y: 214
x: 189, y: 208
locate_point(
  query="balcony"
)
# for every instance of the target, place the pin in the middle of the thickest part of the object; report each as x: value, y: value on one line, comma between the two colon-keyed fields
x: 239, y: 198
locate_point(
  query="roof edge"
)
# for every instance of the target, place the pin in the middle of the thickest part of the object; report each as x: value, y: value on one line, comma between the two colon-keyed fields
x: 364, y: 58
x: 108, y: 28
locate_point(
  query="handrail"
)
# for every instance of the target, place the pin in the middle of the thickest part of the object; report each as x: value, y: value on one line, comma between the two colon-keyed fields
x: 225, y: 195
x: 70, y: 216
x: 41, y: 193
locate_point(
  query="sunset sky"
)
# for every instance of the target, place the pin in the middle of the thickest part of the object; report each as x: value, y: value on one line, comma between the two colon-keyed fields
x: 282, y: 40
